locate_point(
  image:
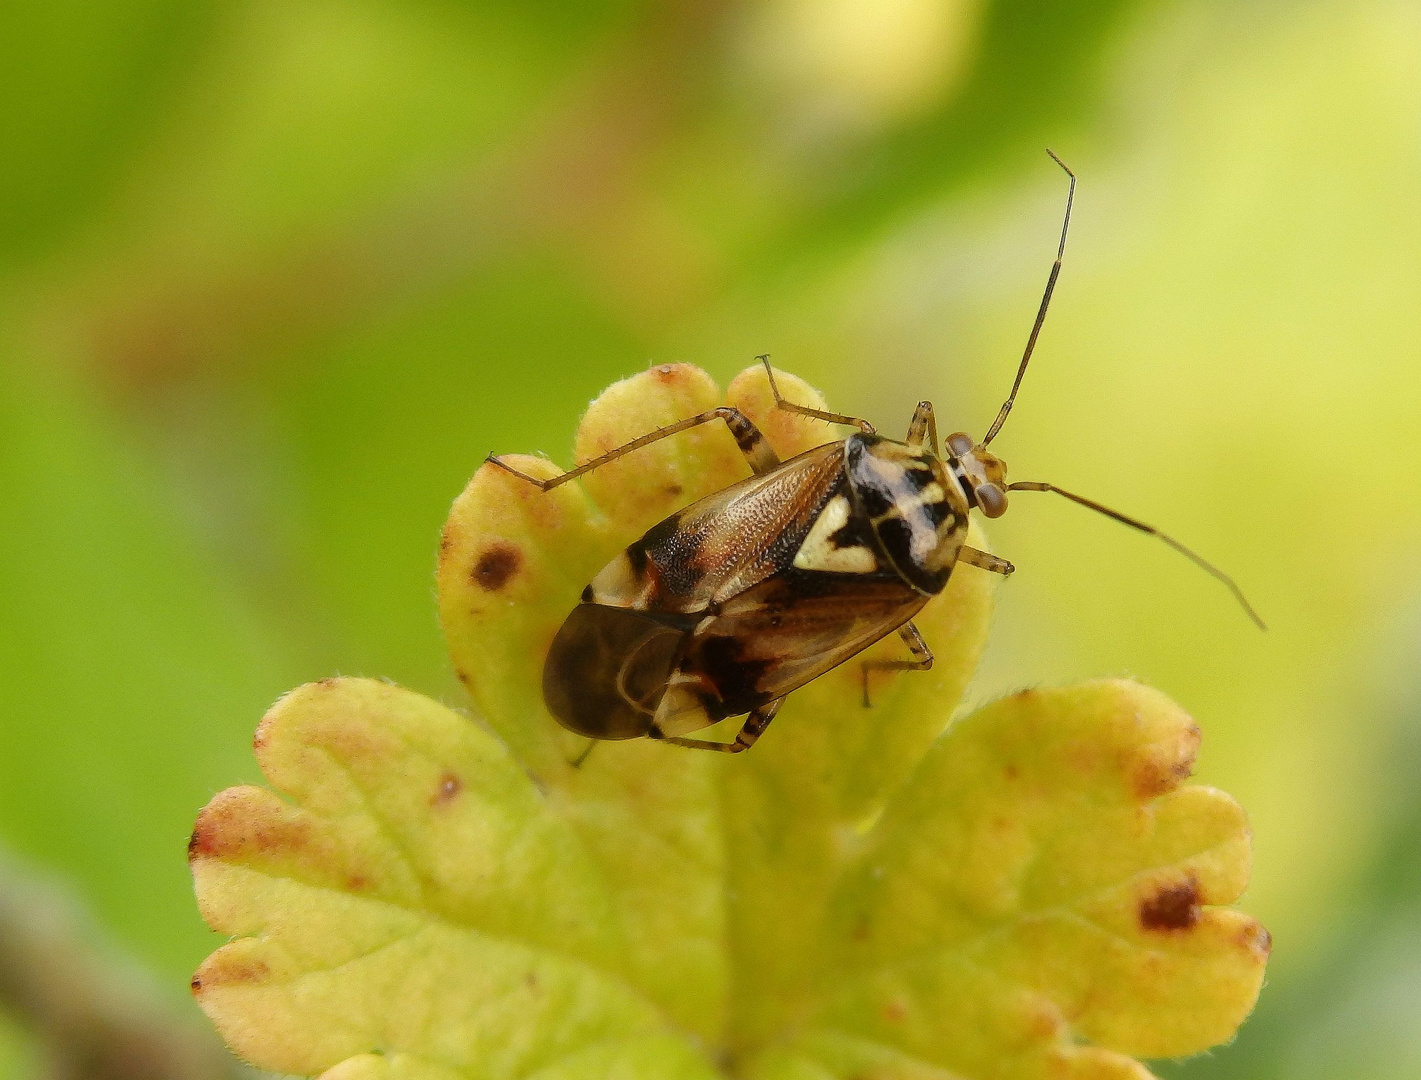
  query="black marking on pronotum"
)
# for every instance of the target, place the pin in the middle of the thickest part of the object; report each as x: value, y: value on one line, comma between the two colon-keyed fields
x: 916, y: 479
x: 938, y: 512
x: 963, y: 483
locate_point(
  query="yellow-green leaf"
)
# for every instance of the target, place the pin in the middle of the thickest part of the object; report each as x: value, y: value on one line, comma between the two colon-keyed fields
x: 1032, y: 893
x: 1042, y: 896
x: 412, y: 895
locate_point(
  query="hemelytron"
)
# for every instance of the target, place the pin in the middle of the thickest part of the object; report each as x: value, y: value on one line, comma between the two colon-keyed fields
x: 739, y: 599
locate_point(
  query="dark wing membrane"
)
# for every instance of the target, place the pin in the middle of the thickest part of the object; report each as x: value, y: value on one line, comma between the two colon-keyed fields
x: 607, y: 670
x: 727, y: 542
x: 779, y: 635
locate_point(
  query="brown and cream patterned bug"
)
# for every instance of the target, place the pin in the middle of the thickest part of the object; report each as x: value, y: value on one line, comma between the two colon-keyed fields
x: 736, y: 601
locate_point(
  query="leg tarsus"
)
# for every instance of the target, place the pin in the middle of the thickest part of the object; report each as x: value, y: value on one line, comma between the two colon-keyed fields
x: 985, y: 561
x: 805, y: 410
x: 538, y: 482
x: 922, y: 658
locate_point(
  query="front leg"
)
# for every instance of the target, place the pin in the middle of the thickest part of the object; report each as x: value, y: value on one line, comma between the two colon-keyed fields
x: 972, y: 557
x: 924, y: 424
x: 922, y: 658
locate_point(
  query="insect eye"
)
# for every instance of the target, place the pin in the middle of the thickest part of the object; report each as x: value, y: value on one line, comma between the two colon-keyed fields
x: 960, y: 443
x: 992, y: 500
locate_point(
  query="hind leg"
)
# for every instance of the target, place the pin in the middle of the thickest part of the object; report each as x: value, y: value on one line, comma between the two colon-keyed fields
x: 922, y: 658
x: 754, y: 726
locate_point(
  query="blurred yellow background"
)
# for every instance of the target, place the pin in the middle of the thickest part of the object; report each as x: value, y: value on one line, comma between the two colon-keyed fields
x: 278, y: 274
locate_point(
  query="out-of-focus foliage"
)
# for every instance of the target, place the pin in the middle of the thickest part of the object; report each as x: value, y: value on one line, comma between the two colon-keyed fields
x: 73, y: 1008
x: 1353, y: 1011
x: 277, y: 274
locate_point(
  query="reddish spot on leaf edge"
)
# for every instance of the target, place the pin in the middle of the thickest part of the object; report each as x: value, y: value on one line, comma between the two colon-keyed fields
x: 1171, y: 907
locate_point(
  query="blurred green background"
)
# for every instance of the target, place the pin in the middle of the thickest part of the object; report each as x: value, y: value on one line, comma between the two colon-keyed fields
x: 275, y: 275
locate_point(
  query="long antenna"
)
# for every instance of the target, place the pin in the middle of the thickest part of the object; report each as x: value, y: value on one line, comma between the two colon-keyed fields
x: 1134, y: 523
x: 1041, y: 312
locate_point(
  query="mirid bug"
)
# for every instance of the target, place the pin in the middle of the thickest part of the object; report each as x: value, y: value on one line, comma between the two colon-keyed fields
x: 731, y: 604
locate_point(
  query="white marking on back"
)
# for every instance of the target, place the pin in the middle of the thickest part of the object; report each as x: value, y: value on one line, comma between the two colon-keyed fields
x: 819, y: 552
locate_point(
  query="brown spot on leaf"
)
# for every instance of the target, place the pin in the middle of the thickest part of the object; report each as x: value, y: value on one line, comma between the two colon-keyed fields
x: 895, y: 1011
x: 225, y: 970
x: 674, y: 491
x: 496, y: 566
x: 357, y: 883
x: 1171, y: 907
x: 1044, y: 1019
x: 1255, y: 938
x: 449, y: 787
x: 203, y: 842
x: 1161, y: 770
x: 1152, y: 780
x: 232, y: 827
x: 350, y: 743
x: 463, y: 675
x: 1011, y: 772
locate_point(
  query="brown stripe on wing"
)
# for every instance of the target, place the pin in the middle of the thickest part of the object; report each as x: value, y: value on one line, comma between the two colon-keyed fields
x: 789, y: 630
x: 726, y: 542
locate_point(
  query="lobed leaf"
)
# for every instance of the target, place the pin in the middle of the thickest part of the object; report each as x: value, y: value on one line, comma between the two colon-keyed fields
x: 416, y: 896
x: 1044, y: 896
x: 1031, y: 893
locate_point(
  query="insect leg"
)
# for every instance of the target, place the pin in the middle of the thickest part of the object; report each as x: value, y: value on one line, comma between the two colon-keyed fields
x: 972, y: 557
x: 804, y: 410
x: 923, y: 422
x: 922, y: 658
x: 754, y: 726
x: 747, y: 436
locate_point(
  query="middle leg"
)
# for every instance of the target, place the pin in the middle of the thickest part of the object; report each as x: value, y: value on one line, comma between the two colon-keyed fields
x: 922, y: 658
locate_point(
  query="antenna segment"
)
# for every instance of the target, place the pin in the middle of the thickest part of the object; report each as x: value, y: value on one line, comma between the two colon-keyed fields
x: 1135, y: 523
x: 1041, y: 312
